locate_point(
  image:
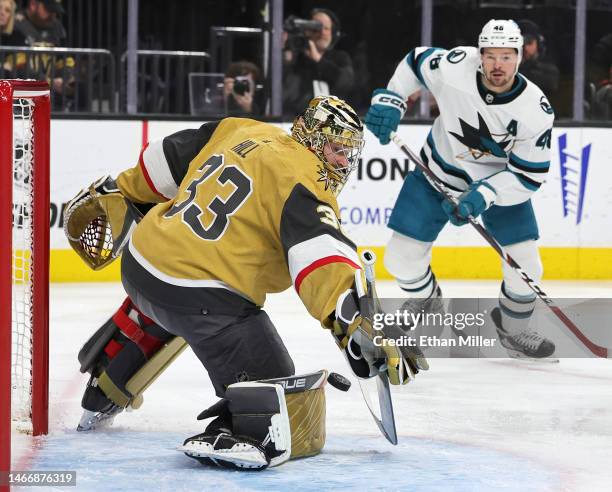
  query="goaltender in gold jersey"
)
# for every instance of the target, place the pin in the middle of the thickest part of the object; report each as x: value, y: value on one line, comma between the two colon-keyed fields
x: 253, y: 212
x: 233, y: 211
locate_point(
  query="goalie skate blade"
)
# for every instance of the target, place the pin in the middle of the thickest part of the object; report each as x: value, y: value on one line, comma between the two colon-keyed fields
x: 241, y: 455
x: 94, y: 420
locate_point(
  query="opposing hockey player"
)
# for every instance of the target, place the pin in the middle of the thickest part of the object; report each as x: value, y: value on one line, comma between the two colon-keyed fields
x: 490, y: 145
x: 243, y: 210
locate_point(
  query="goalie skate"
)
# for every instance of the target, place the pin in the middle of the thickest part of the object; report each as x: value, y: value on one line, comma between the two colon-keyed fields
x: 226, y: 450
x: 98, y: 420
x: 526, y: 345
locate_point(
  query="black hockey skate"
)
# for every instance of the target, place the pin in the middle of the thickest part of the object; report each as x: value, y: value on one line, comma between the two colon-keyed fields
x: 527, y: 345
x: 226, y: 450
x: 430, y: 305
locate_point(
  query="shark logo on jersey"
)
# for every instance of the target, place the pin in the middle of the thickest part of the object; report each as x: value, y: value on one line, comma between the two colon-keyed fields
x: 481, y: 142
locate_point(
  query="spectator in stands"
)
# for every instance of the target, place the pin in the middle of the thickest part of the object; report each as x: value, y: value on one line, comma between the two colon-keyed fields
x: 544, y: 74
x: 311, y: 66
x: 39, y: 23
x: 40, y: 26
x: 240, y: 91
x: 600, y: 75
x: 8, y: 37
x: 601, y: 61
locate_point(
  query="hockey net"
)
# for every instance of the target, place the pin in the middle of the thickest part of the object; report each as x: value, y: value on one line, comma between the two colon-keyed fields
x: 24, y: 260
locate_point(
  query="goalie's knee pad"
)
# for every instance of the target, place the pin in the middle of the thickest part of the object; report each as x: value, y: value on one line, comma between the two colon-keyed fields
x: 407, y: 259
x: 117, y: 351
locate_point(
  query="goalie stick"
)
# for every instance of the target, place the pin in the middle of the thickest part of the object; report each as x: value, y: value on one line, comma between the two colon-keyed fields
x: 386, y: 422
x: 597, y: 350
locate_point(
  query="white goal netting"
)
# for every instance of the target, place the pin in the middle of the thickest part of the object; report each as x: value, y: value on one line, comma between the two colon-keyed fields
x: 22, y: 271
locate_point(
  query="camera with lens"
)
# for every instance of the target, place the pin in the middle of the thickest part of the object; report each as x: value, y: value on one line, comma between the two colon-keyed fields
x: 242, y: 85
x: 296, y: 28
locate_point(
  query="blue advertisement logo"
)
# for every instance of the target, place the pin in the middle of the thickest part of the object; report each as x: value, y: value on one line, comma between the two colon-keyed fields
x: 573, y: 178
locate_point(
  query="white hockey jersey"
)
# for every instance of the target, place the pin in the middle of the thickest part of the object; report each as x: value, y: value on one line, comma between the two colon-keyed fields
x: 479, y: 134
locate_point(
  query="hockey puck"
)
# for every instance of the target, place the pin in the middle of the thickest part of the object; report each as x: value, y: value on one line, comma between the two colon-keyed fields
x: 338, y: 381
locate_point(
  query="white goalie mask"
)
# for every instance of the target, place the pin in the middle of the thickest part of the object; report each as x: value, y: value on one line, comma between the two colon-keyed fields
x: 501, y: 34
x: 330, y: 128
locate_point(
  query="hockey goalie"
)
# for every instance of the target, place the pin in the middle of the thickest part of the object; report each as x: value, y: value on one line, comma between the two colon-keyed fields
x: 207, y: 223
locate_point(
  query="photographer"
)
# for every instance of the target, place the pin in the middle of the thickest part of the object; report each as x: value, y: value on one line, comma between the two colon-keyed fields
x: 240, y: 89
x: 311, y: 65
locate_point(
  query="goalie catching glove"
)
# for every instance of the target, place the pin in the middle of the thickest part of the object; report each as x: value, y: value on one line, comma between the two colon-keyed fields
x: 98, y: 222
x: 366, y: 349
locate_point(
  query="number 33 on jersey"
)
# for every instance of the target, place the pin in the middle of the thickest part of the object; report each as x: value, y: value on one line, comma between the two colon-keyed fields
x: 241, y: 207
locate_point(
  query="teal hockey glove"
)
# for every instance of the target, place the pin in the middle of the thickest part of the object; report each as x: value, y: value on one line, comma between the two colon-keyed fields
x: 474, y: 201
x: 384, y: 114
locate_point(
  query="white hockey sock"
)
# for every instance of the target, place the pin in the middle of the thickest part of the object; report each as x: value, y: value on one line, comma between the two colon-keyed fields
x: 515, y: 310
x: 420, y: 288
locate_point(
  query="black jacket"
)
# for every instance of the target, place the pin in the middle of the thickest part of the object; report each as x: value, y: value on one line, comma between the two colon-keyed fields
x: 543, y: 74
x: 13, y: 39
x: 335, y: 68
x: 53, y: 35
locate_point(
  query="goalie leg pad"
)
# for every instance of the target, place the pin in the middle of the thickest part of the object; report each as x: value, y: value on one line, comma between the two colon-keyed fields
x: 119, y: 350
x: 261, y: 433
x: 305, y: 397
x: 252, y: 415
x: 103, y: 399
x: 259, y: 410
x: 307, y: 419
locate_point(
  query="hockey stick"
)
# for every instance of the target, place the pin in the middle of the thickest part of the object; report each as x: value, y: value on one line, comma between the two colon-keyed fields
x: 386, y: 422
x: 597, y: 350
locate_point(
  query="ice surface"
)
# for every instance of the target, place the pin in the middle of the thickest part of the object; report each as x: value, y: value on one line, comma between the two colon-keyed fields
x: 494, y: 424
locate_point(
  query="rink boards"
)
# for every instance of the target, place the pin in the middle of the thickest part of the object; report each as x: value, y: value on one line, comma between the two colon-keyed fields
x: 573, y: 206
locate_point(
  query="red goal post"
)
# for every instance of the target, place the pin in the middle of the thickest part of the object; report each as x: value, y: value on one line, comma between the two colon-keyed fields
x: 24, y: 260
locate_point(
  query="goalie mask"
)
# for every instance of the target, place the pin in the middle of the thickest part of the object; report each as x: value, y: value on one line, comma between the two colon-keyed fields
x: 331, y: 129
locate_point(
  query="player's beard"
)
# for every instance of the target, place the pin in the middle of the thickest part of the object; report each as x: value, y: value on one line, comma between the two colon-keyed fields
x: 499, y: 81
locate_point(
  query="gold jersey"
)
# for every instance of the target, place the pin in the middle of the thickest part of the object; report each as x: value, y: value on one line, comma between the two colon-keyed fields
x: 243, y: 210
